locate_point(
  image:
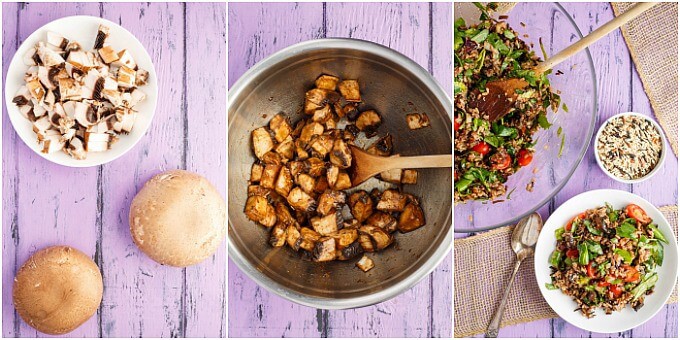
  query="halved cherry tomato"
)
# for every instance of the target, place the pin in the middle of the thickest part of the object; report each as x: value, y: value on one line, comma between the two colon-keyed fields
x: 634, y: 211
x: 616, y: 290
x: 632, y: 274
x: 456, y: 125
x: 580, y: 216
x: 500, y: 160
x: 482, y: 148
x: 524, y: 157
x: 573, y: 253
x: 604, y: 283
x: 590, y: 270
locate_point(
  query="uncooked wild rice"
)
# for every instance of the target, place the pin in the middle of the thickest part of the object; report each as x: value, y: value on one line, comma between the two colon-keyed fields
x: 629, y: 147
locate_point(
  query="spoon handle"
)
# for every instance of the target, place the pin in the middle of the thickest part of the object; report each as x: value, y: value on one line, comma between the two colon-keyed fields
x: 495, y: 324
x: 419, y: 162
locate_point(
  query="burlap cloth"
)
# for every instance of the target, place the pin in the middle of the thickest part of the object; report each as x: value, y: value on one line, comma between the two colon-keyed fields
x: 482, y: 268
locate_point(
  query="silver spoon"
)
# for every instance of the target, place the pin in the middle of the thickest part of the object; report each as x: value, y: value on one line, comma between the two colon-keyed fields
x: 523, y: 241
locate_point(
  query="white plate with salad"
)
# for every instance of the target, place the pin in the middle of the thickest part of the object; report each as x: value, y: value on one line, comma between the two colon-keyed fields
x: 606, y: 251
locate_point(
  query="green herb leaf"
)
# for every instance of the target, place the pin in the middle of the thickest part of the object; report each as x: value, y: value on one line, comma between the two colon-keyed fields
x: 644, y: 286
x: 481, y: 36
x: 555, y: 259
x: 508, y: 34
x: 626, y: 230
x: 583, y: 256
x: 626, y: 255
x: 543, y: 121
x: 657, y: 233
x: 550, y: 286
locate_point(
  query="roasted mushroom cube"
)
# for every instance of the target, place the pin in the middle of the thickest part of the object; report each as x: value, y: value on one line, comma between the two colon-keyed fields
x: 341, y: 154
x: 296, y: 167
x: 323, y: 114
x: 277, y: 238
x: 343, y: 182
x: 256, y: 172
x: 365, y: 263
x: 383, y: 220
x: 321, y: 145
x: 349, y: 89
x: 351, y: 251
x: 366, y: 243
x: 315, y: 167
x: 368, y: 120
x: 306, y: 182
x: 269, y: 176
x: 283, y: 214
x: 272, y: 157
x: 328, y: 224
x: 391, y: 200
x: 382, y: 147
x: 259, y: 210
x: 417, y: 120
x: 381, y: 238
x: 284, y: 182
x: 286, y: 149
x: 262, y: 142
x: 301, y: 201
x: 326, y: 82
x: 314, y: 100
x: 308, y: 238
x: 392, y: 176
x: 345, y: 237
x: 411, y: 218
x: 409, y: 176
x: 361, y: 205
x: 301, y: 150
x: 321, y: 185
x: 331, y: 200
x: 324, y: 250
x: 310, y: 130
x: 292, y: 237
x: 279, y: 125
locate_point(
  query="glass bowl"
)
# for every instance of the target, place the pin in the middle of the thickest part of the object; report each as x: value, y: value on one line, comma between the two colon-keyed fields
x: 551, y: 167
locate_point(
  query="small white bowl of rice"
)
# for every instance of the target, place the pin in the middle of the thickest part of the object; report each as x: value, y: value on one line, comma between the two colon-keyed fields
x: 630, y: 147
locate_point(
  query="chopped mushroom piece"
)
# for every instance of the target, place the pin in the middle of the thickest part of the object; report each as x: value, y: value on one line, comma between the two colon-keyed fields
x: 331, y: 200
x: 262, y: 142
x: 256, y: 173
x: 301, y: 201
x: 349, y: 89
x: 391, y: 200
x: 365, y: 263
x: 411, y: 218
x: 380, y: 237
x: 292, y: 237
x: 417, y: 120
x: 326, y: 82
x: 328, y: 224
x: 368, y: 120
x: 308, y: 239
x: 270, y: 175
x: 392, y: 176
x: 341, y: 154
x: 279, y: 125
x: 361, y: 205
x: 324, y: 250
x: 278, y: 236
x: 284, y: 182
x: 383, y: 220
x: 259, y: 210
x: 409, y: 176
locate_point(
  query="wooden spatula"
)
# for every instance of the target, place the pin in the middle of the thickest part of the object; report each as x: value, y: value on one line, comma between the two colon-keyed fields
x: 502, y: 93
x: 366, y: 165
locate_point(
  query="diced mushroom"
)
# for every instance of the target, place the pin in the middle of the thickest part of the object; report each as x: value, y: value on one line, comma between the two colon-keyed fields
x: 351, y: 251
x: 343, y: 181
x: 365, y: 263
x: 314, y: 99
x: 321, y: 145
x: 392, y: 176
x: 259, y: 210
x: 279, y: 125
x: 126, y: 77
x: 31, y: 58
x: 310, y: 130
x: 262, y: 142
x: 328, y: 224
x: 349, y: 89
x: 361, y: 205
x: 76, y: 149
x: 391, y: 200
x: 270, y: 175
x: 286, y: 148
x: 331, y: 200
x: 102, y: 35
x: 142, y: 77
x: 326, y: 82
x: 272, y: 157
x: 324, y: 250
x: 84, y: 114
x: 301, y: 201
x: 409, y: 176
x: 52, y: 142
x: 321, y: 185
x: 108, y: 54
x: 48, y: 56
x: 69, y: 89
x: 125, y: 59
x: 292, y: 237
x: 284, y: 182
x: 380, y: 238
x: 36, y: 89
x: 308, y: 239
x: 383, y: 220
x: 341, y: 154
x: 417, y: 120
x: 315, y: 167
x: 97, y: 142
x: 345, y: 237
x: 368, y: 120
x: 306, y: 182
x: 283, y: 214
x: 411, y: 218
x: 278, y: 235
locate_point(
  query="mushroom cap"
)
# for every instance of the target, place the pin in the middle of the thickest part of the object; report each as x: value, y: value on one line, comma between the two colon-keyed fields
x: 57, y: 290
x: 178, y: 218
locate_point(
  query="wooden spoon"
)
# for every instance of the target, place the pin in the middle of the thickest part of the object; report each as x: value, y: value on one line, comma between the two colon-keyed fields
x: 366, y: 165
x: 502, y: 93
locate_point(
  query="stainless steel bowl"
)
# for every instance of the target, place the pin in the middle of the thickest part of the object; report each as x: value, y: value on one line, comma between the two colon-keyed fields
x: 392, y: 84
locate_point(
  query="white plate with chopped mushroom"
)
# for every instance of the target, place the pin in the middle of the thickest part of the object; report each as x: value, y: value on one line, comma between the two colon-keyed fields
x: 627, y: 318
x: 78, y: 95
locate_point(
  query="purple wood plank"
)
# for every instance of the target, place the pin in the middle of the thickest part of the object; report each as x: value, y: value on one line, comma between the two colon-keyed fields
x: 257, y: 30
x: 619, y: 90
x: 261, y: 29
x: 206, y: 291
x: 89, y: 207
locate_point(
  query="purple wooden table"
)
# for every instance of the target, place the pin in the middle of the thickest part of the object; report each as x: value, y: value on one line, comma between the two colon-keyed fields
x: 619, y: 90
x: 420, y: 31
x: 45, y: 204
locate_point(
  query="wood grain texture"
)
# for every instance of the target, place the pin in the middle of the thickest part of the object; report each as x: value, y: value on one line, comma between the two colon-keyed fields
x: 619, y: 90
x: 88, y: 208
x: 420, y: 31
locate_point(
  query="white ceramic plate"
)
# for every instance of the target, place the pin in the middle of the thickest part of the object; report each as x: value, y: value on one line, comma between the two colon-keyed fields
x: 83, y: 29
x: 627, y: 318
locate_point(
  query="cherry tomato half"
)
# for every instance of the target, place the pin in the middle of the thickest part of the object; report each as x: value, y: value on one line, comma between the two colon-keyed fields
x: 590, y: 270
x: 634, y: 211
x: 524, y: 157
x: 456, y: 125
x: 604, y: 283
x: 632, y: 274
x: 581, y: 216
x: 500, y: 160
x: 616, y: 290
x: 482, y: 148
x: 573, y: 253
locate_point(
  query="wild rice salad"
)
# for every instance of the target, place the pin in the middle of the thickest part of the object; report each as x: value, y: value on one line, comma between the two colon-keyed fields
x: 486, y: 151
x: 606, y: 258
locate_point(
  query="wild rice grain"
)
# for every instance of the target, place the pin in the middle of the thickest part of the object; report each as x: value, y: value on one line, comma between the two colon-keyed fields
x: 629, y: 147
